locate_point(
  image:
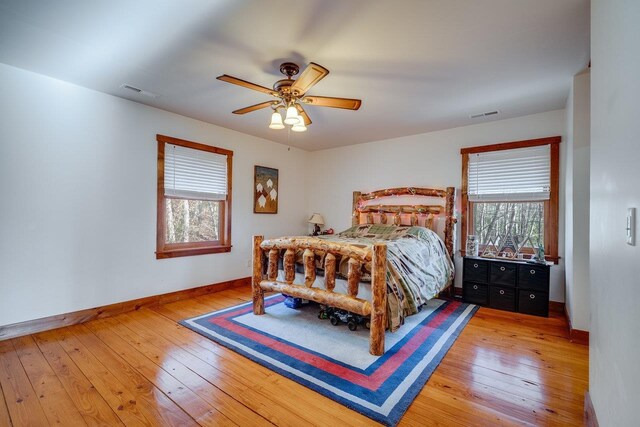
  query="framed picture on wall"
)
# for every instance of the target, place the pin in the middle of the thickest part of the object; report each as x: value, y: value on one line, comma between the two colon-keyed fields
x: 265, y: 190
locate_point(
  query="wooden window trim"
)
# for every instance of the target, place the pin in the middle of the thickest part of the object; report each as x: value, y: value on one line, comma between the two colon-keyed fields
x: 551, y: 206
x: 173, y: 250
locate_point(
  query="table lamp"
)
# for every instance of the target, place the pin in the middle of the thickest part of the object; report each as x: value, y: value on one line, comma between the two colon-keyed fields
x: 317, y: 220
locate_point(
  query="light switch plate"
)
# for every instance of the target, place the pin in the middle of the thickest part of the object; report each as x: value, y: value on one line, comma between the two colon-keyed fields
x: 631, y: 226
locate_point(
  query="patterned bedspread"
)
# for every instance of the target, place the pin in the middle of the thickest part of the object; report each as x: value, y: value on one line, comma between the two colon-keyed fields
x: 418, y: 266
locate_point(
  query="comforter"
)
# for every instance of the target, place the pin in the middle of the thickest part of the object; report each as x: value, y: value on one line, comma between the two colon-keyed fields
x: 418, y: 265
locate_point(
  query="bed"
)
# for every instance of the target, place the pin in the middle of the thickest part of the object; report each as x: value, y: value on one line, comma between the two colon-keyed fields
x: 384, y: 267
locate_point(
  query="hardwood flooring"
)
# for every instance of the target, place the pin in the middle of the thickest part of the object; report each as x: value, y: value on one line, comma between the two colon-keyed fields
x: 142, y: 368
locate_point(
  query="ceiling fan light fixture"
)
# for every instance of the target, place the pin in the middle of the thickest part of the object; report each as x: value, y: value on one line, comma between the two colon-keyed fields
x: 299, y: 127
x: 276, y: 121
x: 292, y: 116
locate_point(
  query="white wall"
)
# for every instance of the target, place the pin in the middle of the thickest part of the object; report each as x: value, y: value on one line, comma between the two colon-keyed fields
x: 430, y: 160
x: 614, y: 355
x: 577, y: 148
x: 78, y: 210
x: 566, y: 151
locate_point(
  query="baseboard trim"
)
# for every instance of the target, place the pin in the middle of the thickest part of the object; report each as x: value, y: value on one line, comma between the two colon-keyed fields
x: 81, y: 316
x: 590, y: 419
x: 577, y: 336
x: 556, y: 307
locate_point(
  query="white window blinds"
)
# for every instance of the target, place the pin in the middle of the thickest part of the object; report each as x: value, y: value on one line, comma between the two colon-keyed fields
x: 194, y: 174
x: 521, y: 174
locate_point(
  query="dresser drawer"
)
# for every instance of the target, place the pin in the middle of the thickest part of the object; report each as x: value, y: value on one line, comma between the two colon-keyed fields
x: 476, y: 270
x: 533, y: 302
x: 475, y: 293
x: 502, y: 298
x: 534, y: 277
x: 502, y: 273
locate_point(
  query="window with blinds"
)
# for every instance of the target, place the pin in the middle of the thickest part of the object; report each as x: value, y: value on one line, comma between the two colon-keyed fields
x: 194, y: 198
x: 510, y: 175
x: 510, y: 197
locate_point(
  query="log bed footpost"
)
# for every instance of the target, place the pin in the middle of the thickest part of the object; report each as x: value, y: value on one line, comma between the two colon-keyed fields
x: 257, y: 292
x: 378, y: 299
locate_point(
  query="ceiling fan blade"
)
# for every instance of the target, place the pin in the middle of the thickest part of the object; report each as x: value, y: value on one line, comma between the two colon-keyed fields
x: 325, y: 101
x: 305, y: 116
x: 244, y: 83
x: 260, y: 106
x: 309, y: 77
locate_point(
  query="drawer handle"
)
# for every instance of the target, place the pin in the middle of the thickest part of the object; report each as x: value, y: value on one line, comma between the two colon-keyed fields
x: 532, y: 272
x: 532, y: 296
x: 501, y: 292
x: 475, y: 287
x: 475, y: 265
x: 501, y: 268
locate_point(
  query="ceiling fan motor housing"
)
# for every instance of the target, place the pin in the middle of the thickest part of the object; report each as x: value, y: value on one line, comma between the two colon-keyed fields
x: 283, y: 86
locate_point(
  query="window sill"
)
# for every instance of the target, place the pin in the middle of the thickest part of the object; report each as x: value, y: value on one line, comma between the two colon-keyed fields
x: 175, y: 253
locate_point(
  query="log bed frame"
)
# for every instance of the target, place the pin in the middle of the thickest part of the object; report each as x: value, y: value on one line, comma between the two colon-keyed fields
x: 375, y: 258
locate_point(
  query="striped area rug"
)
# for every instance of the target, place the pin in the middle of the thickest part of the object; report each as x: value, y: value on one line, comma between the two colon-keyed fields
x: 335, y: 361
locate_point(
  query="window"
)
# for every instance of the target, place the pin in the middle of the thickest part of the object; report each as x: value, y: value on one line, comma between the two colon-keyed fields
x: 510, y: 195
x: 194, y: 198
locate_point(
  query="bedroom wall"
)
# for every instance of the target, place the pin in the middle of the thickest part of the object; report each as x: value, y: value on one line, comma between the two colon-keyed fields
x: 566, y: 151
x: 614, y: 352
x: 431, y: 159
x: 78, y: 207
x: 577, y: 148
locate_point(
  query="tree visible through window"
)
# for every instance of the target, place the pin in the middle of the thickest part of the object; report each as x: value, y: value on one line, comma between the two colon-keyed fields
x: 192, y: 220
x: 194, y: 198
x: 523, y: 221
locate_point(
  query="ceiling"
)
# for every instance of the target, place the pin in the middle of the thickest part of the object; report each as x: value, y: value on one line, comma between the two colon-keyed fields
x: 417, y: 65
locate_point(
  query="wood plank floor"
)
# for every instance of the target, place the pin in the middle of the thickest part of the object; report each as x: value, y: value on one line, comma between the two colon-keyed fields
x: 142, y: 368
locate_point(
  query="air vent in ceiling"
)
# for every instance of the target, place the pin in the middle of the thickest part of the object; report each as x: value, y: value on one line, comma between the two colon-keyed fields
x: 488, y: 113
x: 139, y: 91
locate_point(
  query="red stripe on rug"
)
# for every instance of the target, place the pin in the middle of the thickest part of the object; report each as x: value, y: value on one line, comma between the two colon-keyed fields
x: 371, y: 382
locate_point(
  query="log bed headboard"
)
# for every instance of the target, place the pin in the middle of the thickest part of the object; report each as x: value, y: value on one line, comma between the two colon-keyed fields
x: 368, y: 212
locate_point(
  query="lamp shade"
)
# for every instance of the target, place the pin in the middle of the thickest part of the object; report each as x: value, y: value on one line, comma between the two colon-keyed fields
x: 276, y: 121
x: 292, y: 116
x: 299, y: 127
x: 316, y: 218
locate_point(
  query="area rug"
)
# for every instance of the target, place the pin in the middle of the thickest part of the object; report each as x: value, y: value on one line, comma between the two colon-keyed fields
x: 335, y: 361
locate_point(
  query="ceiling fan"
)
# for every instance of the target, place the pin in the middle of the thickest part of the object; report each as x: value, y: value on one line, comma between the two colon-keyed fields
x: 290, y: 94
